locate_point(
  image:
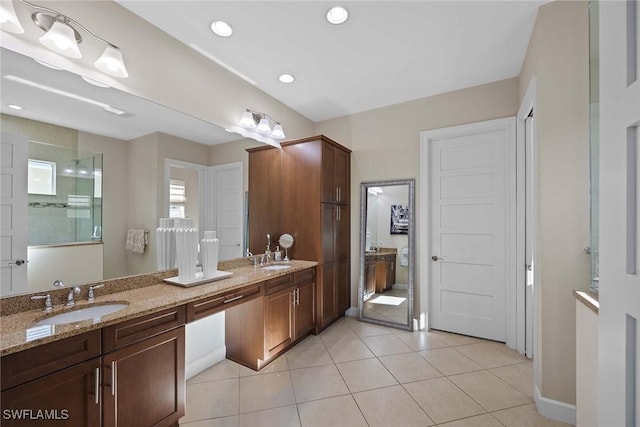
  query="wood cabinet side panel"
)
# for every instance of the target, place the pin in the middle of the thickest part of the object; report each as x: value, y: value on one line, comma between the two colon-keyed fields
x: 301, y: 198
x: 244, y: 333
x: 265, y: 198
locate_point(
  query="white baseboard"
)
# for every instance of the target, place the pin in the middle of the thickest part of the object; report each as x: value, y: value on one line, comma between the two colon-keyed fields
x: 554, y: 409
x: 195, y: 367
x: 352, y: 311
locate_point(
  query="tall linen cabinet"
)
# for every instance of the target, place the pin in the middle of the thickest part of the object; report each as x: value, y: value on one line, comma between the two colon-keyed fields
x: 304, y: 190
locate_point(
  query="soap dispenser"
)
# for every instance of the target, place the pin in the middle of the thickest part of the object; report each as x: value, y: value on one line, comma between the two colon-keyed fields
x: 277, y: 255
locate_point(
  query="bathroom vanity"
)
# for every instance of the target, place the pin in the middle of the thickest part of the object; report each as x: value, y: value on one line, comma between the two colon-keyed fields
x: 128, y: 368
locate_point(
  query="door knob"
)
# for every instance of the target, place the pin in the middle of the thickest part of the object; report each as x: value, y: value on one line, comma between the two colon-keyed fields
x: 435, y: 258
x: 18, y: 262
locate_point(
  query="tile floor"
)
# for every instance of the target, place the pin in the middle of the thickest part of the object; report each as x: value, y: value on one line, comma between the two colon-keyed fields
x: 359, y: 374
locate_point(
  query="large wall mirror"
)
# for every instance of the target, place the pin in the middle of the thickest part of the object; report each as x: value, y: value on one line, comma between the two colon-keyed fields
x: 65, y: 113
x: 387, y: 248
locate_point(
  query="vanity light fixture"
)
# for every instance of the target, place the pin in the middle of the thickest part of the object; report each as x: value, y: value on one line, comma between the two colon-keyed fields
x: 62, y: 36
x: 337, y: 15
x: 259, y: 126
x: 8, y: 19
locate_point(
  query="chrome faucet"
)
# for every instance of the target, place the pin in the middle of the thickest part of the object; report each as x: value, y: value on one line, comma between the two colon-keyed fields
x: 74, y: 290
x: 48, y: 305
x: 92, y: 295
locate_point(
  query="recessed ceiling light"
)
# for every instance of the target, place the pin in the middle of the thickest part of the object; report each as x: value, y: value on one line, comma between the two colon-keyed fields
x: 15, y: 107
x: 221, y: 28
x: 286, y: 78
x: 337, y: 15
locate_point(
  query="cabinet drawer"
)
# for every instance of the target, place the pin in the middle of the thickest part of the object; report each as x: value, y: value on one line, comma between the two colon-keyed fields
x: 277, y: 284
x: 208, y: 306
x: 27, y: 365
x: 134, y: 330
x: 304, y: 276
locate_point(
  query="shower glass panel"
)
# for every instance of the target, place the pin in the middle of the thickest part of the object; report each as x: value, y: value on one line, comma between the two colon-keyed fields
x: 72, y: 211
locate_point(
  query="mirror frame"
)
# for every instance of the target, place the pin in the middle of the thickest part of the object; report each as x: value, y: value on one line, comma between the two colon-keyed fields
x: 364, y: 187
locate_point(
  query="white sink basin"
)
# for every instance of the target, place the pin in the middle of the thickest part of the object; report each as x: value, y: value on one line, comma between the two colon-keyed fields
x: 78, y: 315
x: 276, y: 267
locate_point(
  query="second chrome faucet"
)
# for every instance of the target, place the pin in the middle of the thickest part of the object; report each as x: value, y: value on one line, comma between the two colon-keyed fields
x: 73, y: 291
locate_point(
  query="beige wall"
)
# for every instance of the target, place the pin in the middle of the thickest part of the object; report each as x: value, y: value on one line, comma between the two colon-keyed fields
x: 386, y: 143
x: 115, y: 178
x: 558, y: 57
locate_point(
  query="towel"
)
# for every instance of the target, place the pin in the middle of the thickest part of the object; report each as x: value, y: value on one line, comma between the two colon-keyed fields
x: 404, y: 256
x: 137, y: 239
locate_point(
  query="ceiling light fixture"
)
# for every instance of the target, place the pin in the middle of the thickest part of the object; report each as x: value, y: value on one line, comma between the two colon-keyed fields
x: 286, y: 78
x: 221, y: 28
x: 259, y: 126
x: 8, y: 19
x: 337, y: 15
x: 62, y: 36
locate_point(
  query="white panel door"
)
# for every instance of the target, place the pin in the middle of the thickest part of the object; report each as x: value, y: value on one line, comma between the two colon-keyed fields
x: 13, y: 214
x: 619, y: 226
x: 227, y: 188
x: 470, y: 220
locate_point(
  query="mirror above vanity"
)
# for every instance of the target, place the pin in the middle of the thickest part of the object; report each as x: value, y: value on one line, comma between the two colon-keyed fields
x: 61, y: 108
x: 387, y: 246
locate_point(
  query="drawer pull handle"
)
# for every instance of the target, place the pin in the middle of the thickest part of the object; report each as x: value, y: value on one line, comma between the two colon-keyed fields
x: 113, y: 378
x: 227, y: 301
x: 97, y: 389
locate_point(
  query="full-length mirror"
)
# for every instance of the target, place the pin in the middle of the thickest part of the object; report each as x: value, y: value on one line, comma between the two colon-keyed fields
x: 387, y: 228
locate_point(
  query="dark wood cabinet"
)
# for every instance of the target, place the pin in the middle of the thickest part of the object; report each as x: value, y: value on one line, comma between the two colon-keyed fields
x: 370, y: 275
x: 265, y: 197
x: 257, y: 331
x: 390, y: 260
x: 70, y: 397
x: 314, y: 192
x: 144, y: 382
x: 336, y: 180
x: 278, y: 325
x: 129, y: 373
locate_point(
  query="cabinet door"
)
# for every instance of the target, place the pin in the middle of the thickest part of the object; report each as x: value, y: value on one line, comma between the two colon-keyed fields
x: 329, y: 216
x: 327, y: 294
x: 381, y: 275
x: 370, y: 275
x: 304, y: 316
x: 278, y: 315
x: 65, y: 398
x: 143, y: 383
x: 391, y: 271
x: 342, y: 237
x: 335, y: 174
x: 329, y: 190
x: 343, y: 288
x: 341, y: 175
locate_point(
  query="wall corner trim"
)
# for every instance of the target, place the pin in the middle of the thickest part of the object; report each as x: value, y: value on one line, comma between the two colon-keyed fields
x: 554, y: 409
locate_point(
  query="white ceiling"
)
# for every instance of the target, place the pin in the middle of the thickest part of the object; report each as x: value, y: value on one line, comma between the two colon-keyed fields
x: 387, y: 52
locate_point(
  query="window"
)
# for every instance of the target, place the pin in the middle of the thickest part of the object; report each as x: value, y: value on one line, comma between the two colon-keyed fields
x: 41, y: 177
x: 177, y: 198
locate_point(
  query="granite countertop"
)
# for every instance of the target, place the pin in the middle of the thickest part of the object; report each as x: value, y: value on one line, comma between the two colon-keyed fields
x: 382, y: 252
x: 589, y: 299
x: 17, y: 333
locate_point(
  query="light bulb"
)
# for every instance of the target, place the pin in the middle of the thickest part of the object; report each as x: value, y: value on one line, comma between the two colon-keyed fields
x: 263, y: 126
x: 247, y: 120
x: 61, y: 39
x: 278, y: 132
x: 111, y: 62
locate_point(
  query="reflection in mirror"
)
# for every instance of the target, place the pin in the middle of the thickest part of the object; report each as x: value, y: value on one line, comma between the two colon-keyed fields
x: 387, y: 228
x: 61, y: 108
